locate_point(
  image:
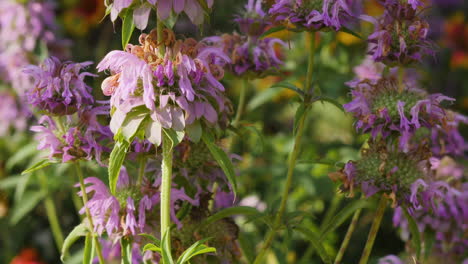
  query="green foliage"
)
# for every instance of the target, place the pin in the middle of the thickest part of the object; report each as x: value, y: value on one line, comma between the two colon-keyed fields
x: 77, y: 232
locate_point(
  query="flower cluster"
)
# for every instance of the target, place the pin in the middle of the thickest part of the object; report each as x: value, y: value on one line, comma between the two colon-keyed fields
x: 311, y: 14
x: 251, y: 56
x: 400, y: 35
x: 59, y: 86
x: 384, y: 109
x: 441, y: 209
x: 141, y: 11
x: 82, y: 138
x: 177, y: 89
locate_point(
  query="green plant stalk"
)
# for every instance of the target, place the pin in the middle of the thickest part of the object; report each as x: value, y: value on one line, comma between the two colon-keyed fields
x: 241, y: 104
x: 401, y: 73
x: 291, y: 161
x: 141, y: 170
x: 374, y: 230
x: 347, y: 238
x: 51, y: 212
x: 88, y: 214
x: 166, y: 182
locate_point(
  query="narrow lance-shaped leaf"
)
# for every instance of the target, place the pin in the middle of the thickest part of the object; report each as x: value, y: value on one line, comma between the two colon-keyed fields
x: 197, y: 248
x: 166, y: 251
x: 222, y: 158
x: 289, y: 86
x: 41, y: 164
x: 315, y: 241
x: 116, y: 160
x: 127, y: 27
x: 77, y: 232
x: 126, y: 249
x: 415, y: 235
x: 25, y: 205
x: 88, y: 253
x: 236, y: 210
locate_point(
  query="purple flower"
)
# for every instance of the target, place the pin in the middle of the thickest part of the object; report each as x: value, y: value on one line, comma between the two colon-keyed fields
x: 82, y: 140
x: 383, y: 110
x: 390, y: 259
x: 141, y: 10
x: 253, y: 22
x: 400, y: 35
x: 311, y: 15
x: 59, y: 88
x: 24, y: 26
x: 177, y: 90
x: 252, y: 58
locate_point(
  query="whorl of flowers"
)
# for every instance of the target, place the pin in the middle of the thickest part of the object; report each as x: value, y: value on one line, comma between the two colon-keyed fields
x: 177, y: 89
x: 383, y: 109
x: 26, y: 25
x: 384, y: 169
x: 400, y: 35
x: 59, y: 87
x: 80, y: 139
x: 12, y: 114
x: 194, y: 9
x: 130, y: 211
x: 311, y: 14
x: 441, y: 208
x: 254, y: 21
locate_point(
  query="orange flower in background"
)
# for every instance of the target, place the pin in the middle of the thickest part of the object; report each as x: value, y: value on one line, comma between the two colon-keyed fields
x: 27, y: 256
x: 456, y: 37
x: 82, y: 15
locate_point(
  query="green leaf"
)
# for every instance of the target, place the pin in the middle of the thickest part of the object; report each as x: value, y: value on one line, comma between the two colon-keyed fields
x: 222, y: 158
x: 349, y: 31
x: 28, y: 202
x: 342, y: 215
x: 175, y: 136
x: 289, y: 86
x: 429, y: 240
x: 116, y: 160
x: 88, y: 253
x: 227, y: 212
x: 415, y: 235
x: 21, y: 155
x: 127, y: 27
x: 132, y: 123
x: 197, y: 248
x: 272, y: 30
x: 21, y: 186
x: 255, y: 131
x: 152, y: 247
x: 194, y: 131
x: 151, y: 238
x: 171, y: 20
x: 300, y: 113
x: 333, y: 102
x: 77, y: 232
x: 166, y: 251
x: 261, y: 98
x: 41, y: 164
x: 126, y: 249
x: 327, y: 162
x: 11, y: 181
x: 316, y: 243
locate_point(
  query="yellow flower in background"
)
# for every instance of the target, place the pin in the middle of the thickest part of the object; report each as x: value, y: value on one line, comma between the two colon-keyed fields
x: 347, y: 38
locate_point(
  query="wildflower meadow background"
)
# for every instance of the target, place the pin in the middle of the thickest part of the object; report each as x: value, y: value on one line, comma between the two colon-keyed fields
x: 233, y: 131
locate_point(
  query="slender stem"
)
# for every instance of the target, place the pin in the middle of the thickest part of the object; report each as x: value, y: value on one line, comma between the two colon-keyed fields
x: 291, y: 163
x: 51, y: 212
x: 401, y: 73
x: 347, y: 238
x: 310, y: 65
x: 88, y: 214
x: 166, y: 168
x: 241, y: 105
x: 374, y: 229
x: 141, y: 170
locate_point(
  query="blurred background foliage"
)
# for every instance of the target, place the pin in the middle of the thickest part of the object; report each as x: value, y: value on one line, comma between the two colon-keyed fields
x: 264, y: 146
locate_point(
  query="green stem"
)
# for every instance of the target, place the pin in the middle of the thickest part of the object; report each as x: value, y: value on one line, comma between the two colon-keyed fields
x: 88, y: 214
x: 51, y: 212
x: 291, y: 163
x: 310, y: 66
x: 373, y: 231
x: 166, y: 168
x: 347, y: 238
x: 141, y: 170
x: 241, y: 105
